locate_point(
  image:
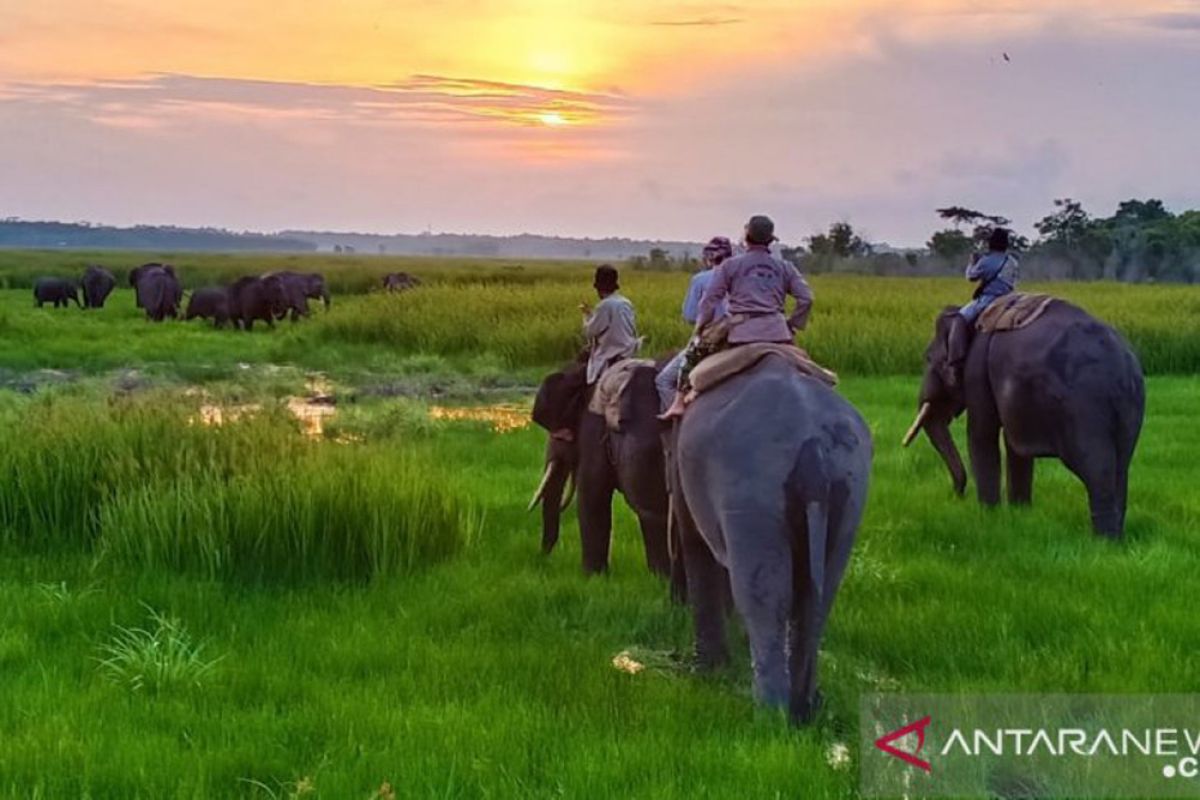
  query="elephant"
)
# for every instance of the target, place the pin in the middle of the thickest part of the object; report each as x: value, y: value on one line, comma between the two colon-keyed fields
x: 55, y: 290
x: 299, y: 288
x: 252, y: 298
x: 97, y: 284
x: 157, y: 289
x: 211, y: 302
x: 599, y: 462
x: 1066, y: 386
x: 768, y: 478
x: 400, y: 281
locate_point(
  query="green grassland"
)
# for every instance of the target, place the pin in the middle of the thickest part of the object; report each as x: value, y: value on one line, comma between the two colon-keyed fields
x: 239, y: 611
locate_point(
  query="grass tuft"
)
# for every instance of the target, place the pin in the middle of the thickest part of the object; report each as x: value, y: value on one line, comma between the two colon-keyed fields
x: 159, y: 656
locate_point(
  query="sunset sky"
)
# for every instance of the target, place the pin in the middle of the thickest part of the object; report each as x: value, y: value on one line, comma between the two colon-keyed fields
x: 620, y: 117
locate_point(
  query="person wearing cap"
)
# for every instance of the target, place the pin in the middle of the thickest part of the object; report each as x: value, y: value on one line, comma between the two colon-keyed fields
x: 610, y: 327
x: 754, y: 287
x: 717, y: 250
x: 997, y: 274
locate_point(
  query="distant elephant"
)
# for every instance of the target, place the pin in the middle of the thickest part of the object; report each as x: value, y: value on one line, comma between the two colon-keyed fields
x: 298, y: 289
x: 769, y: 475
x: 157, y: 290
x: 256, y: 298
x: 97, y: 284
x: 400, y: 281
x: 55, y: 290
x: 212, y: 303
x: 601, y: 462
x: 1067, y: 386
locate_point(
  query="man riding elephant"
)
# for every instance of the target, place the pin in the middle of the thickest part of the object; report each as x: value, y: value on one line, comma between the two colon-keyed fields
x: 610, y: 327
x: 997, y: 274
x: 716, y: 251
x: 755, y: 286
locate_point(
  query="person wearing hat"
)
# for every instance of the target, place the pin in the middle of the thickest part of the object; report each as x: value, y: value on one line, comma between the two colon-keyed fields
x: 997, y: 274
x: 717, y: 250
x: 610, y: 327
x: 754, y: 287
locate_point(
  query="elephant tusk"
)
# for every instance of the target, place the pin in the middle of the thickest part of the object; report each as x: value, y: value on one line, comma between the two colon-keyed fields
x: 922, y: 415
x: 541, y: 489
x: 570, y: 493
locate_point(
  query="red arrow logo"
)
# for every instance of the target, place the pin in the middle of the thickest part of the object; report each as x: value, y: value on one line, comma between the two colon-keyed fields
x: 884, y: 743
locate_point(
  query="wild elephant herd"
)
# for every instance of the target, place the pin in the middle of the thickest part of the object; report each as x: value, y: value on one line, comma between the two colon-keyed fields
x: 752, y: 500
x: 159, y: 292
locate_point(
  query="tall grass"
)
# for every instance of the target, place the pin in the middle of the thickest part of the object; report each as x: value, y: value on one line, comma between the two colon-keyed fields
x: 251, y: 499
x: 524, y: 317
x: 859, y: 326
x: 353, y: 513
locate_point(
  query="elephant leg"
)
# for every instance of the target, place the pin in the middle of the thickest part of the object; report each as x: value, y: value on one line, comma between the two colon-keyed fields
x: 595, y: 485
x: 707, y: 592
x: 760, y: 567
x: 654, y: 536
x: 1020, y: 478
x: 1099, y: 472
x: 983, y: 439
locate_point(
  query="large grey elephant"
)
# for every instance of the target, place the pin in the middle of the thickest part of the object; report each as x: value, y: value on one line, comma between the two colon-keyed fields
x: 157, y: 290
x: 769, y: 480
x: 602, y: 462
x: 298, y: 289
x: 1067, y: 386
x: 256, y: 298
x: 58, y: 291
x: 97, y: 284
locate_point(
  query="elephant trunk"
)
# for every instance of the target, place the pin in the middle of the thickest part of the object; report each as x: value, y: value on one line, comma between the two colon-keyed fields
x: 550, y: 494
x: 938, y: 431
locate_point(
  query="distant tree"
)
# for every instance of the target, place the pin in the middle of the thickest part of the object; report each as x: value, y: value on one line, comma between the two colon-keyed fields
x: 1067, y: 226
x: 793, y: 255
x: 960, y: 215
x: 659, y: 259
x: 1141, y: 212
x: 951, y: 245
x: 840, y: 241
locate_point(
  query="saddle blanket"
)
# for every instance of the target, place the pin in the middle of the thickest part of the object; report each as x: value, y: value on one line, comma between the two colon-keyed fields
x: 722, y: 366
x: 1012, y: 312
x: 606, y: 399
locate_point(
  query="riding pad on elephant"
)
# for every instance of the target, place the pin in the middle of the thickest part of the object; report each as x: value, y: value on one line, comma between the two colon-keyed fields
x: 606, y: 399
x: 1012, y: 312
x: 723, y: 365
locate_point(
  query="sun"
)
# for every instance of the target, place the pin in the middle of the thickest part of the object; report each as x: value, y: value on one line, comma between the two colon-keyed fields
x: 552, y: 119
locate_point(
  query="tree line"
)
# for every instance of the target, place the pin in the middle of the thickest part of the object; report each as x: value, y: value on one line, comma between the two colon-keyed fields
x: 1143, y: 241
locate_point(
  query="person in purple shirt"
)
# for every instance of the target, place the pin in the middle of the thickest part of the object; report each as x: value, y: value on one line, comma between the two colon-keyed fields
x: 717, y: 250
x: 754, y: 286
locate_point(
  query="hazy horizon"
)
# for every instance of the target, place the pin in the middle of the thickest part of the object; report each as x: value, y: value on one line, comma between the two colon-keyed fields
x: 645, y: 120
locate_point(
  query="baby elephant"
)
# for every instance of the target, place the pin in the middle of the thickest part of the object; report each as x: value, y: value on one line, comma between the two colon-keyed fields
x: 211, y: 302
x: 55, y: 290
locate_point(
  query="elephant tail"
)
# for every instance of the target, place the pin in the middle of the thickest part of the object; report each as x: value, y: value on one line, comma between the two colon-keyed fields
x: 809, y: 491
